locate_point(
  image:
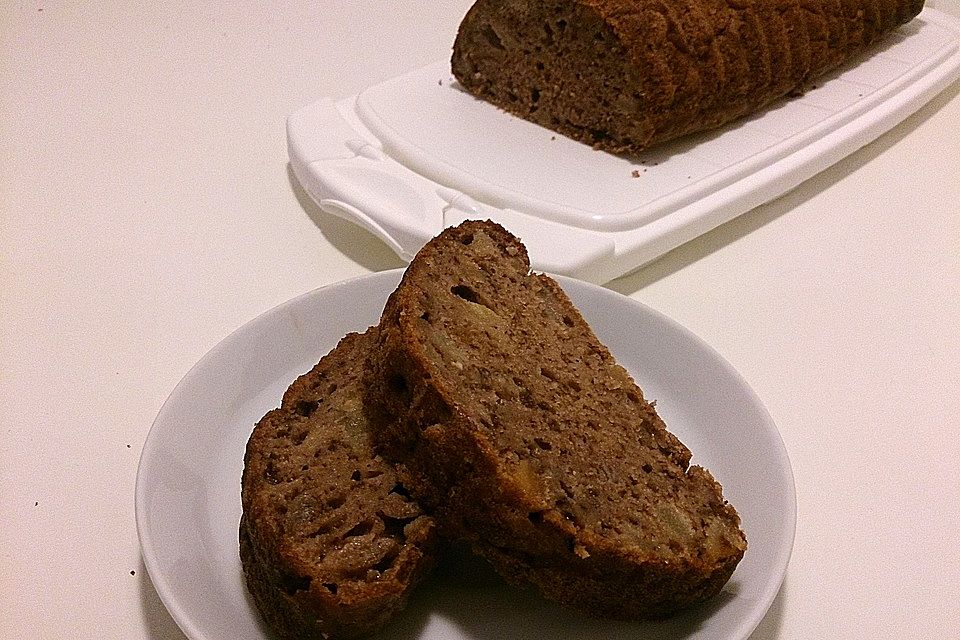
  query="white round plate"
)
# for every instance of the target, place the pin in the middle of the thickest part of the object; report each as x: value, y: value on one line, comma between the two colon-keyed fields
x: 188, y: 483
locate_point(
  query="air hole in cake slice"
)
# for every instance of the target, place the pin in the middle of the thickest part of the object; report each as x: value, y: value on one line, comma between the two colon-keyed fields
x: 360, y: 529
x: 492, y: 38
x: 465, y: 292
x: 306, y: 407
x: 291, y: 584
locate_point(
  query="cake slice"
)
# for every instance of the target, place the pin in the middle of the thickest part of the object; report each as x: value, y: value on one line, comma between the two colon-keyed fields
x: 624, y: 75
x: 516, y: 429
x: 330, y: 543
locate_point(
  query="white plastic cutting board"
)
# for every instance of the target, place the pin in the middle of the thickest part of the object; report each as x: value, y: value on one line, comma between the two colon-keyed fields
x: 409, y: 156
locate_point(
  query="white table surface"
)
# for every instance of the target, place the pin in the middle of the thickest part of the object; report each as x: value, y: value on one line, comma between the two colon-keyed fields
x: 147, y: 211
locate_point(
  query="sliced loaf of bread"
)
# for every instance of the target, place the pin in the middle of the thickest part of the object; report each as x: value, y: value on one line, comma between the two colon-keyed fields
x: 331, y: 544
x: 514, y: 426
x: 623, y: 75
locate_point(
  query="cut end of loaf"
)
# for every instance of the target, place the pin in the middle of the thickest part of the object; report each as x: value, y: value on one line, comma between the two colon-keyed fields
x: 561, y: 67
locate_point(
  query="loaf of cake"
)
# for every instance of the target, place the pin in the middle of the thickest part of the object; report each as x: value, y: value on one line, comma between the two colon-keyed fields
x: 331, y: 545
x: 623, y: 75
x: 516, y: 429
